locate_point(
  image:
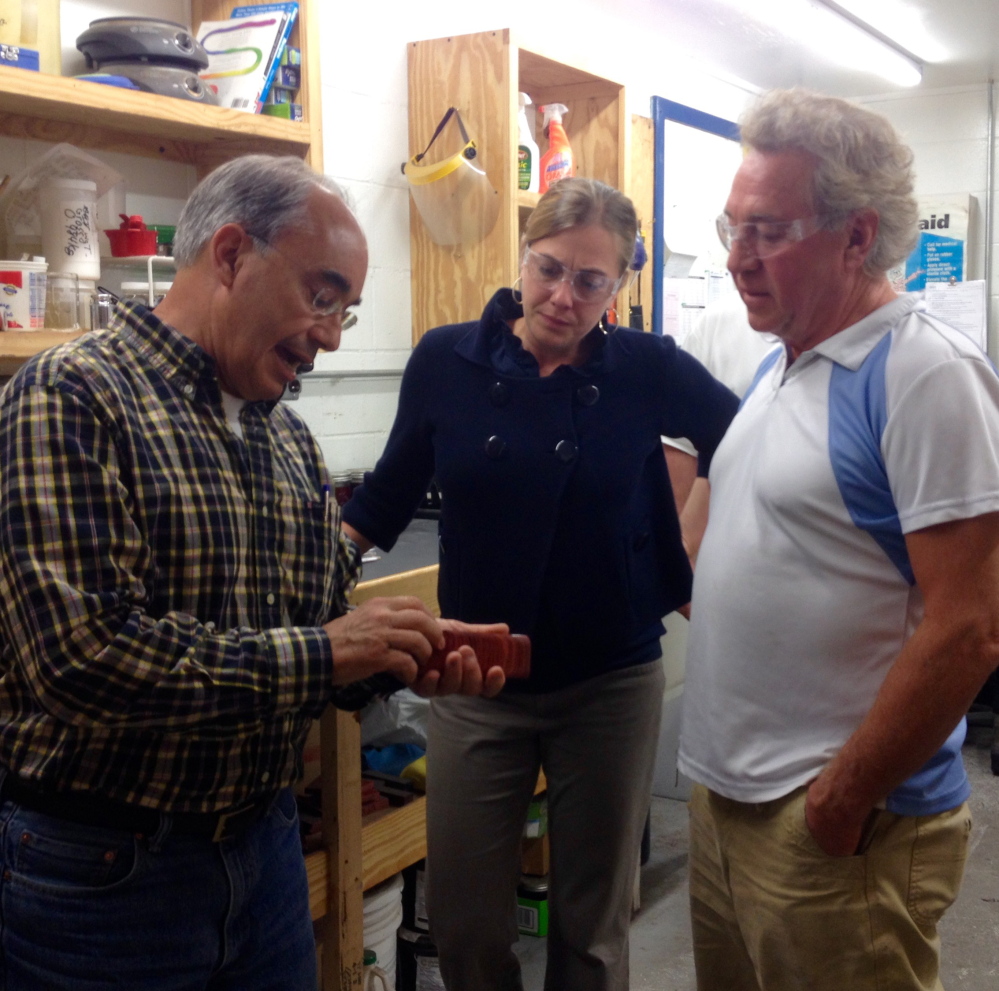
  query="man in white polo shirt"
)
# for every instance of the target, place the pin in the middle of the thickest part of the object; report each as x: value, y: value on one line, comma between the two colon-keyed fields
x: 846, y: 599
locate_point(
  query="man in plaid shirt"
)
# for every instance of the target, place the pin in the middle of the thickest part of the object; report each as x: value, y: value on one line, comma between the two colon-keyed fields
x: 173, y: 615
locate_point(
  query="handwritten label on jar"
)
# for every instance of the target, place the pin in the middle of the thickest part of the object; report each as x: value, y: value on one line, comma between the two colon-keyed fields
x: 78, y: 228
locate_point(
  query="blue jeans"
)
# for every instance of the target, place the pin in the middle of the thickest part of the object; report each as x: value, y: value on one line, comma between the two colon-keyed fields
x: 89, y: 908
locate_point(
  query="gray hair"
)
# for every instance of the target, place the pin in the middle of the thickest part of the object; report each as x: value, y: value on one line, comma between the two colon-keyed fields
x: 861, y: 163
x: 264, y: 194
x: 578, y: 202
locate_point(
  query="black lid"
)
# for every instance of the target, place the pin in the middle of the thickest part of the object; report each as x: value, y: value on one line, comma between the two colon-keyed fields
x: 141, y: 39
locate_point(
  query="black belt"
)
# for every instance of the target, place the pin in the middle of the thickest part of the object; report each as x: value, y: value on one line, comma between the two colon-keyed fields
x: 91, y: 811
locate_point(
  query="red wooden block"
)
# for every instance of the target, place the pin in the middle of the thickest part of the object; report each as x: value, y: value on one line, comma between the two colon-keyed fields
x: 510, y: 651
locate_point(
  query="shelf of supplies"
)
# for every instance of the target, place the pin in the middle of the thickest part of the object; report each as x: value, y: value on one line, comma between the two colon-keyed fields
x: 395, y: 838
x: 391, y: 840
x: 16, y: 347
x: 57, y: 108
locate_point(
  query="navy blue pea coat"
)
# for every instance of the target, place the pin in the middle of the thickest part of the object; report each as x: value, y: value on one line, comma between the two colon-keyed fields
x: 558, y: 517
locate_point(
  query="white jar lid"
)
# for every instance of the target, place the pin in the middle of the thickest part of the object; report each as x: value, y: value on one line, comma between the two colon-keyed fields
x: 134, y: 287
x: 86, y: 184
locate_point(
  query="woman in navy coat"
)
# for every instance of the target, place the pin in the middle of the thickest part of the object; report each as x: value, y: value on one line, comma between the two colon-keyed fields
x: 542, y: 428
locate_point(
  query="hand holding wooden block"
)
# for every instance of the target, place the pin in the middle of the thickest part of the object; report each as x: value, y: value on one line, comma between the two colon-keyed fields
x: 510, y: 651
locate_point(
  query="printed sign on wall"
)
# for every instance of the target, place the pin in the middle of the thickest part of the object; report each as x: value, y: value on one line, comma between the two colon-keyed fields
x: 942, y: 251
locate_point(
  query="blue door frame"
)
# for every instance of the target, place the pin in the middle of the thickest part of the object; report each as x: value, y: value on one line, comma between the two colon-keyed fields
x: 662, y: 111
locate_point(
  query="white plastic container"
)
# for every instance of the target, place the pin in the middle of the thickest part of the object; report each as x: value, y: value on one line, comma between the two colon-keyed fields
x: 382, y: 918
x: 375, y: 979
x: 528, y: 154
x: 22, y: 294
x: 68, y: 209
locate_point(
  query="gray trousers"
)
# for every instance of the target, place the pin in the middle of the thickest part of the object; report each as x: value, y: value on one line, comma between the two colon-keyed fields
x: 597, y: 744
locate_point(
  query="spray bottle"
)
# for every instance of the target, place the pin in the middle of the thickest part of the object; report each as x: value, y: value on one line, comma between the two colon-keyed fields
x: 528, y: 153
x: 556, y: 163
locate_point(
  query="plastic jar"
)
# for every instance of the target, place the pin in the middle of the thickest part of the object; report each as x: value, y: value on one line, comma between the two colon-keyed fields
x: 62, y: 302
x: 343, y: 488
x: 68, y: 209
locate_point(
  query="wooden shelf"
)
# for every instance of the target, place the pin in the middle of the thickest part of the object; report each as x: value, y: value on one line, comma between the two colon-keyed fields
x: 57, y: 108
x: 17, y: 346
x: 391, y: 840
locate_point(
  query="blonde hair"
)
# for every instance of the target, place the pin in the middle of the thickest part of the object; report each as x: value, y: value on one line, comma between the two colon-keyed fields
x: 861, y: 163
x: 578, y: 202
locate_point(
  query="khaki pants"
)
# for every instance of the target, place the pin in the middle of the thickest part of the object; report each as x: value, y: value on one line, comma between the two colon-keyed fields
x: 772, y: 912
x: 597, y: 743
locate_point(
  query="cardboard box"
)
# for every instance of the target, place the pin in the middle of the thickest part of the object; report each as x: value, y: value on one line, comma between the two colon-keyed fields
x: 534, y: 856
x: 289, y: 111
x: 288, y: 76
x: 279, y: 94
x: 537, y: 816
x: 19, y: 58
x: 532, y: 909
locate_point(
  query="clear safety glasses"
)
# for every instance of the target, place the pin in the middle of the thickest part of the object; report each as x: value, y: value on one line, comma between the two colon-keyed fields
x: 587, y: 286
x: 763, y: 238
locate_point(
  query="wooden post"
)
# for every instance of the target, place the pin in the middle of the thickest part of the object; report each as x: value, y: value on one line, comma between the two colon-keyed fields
x: 343, y: 928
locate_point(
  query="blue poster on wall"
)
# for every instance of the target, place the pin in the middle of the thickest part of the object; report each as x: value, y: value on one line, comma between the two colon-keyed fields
x: 940, y: 254
x: 937, y: 258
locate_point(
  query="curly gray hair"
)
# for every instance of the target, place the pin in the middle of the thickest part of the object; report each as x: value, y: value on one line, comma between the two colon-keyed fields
x: 265, y: 194
x: 861, y: 163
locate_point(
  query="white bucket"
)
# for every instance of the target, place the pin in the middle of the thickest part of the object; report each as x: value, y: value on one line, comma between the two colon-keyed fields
x: 22, y: 295
x: 68, y: 208
x: 382, y: 918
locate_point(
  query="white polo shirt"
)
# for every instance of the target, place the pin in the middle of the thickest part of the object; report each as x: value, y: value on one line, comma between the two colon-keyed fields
x: 803, y: 592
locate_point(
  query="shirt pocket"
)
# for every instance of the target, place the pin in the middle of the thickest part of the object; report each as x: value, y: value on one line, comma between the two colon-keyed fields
x: 306, y: 528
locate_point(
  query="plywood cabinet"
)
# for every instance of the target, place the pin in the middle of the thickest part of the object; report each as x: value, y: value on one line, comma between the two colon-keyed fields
x: 481, y: 74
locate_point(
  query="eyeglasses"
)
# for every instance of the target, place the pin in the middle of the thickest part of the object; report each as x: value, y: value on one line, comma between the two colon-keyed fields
x: 763, y: 238
x: 326, y: 303
x: 587, y: 286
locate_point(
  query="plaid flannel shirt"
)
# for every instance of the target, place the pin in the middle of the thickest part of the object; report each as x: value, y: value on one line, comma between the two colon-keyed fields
x: 163, y: 584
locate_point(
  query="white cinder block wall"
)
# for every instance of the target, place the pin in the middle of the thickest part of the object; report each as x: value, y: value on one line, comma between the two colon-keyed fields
x: 365, y: 141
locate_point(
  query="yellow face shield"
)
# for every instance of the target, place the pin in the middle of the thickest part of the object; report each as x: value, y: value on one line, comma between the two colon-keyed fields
x: 454, y: 197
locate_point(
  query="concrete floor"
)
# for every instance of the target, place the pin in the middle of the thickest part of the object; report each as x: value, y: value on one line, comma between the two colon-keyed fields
x: 661, y: 958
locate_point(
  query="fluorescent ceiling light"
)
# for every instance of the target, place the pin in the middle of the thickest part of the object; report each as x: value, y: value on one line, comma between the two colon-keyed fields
x: 831, y: 31
x: 903, y: 23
